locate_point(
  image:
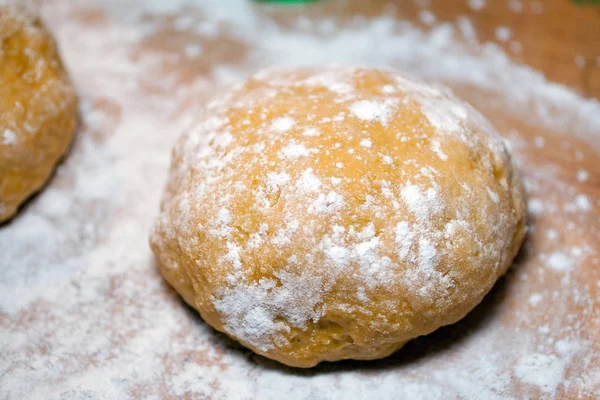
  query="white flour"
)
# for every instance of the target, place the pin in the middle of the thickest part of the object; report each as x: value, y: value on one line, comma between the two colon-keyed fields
x: 84, y: 313
x: 9, y: 137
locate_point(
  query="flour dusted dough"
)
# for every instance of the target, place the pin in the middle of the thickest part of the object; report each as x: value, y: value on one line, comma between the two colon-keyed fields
x: 38, y: 107
x: 331, y: 213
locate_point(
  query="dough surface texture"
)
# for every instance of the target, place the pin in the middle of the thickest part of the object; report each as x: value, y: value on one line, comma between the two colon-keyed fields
x: 320, y: 214
x: 38, y: 107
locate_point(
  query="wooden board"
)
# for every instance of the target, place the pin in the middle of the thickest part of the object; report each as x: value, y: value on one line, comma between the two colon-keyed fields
x: 83, y: 311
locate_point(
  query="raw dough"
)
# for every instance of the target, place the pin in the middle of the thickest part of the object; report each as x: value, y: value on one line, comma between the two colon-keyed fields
x: 332, y: 213
x: 38, y: 107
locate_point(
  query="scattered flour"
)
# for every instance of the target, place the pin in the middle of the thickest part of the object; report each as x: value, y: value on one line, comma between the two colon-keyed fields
x: 309, y: 181
x: 436, y: 147
x: 551, y: 234
x: 542, y: 370
x: 476, y: 4
x: 539, y: 142
x: 250, y: 310
x: 9, y: 137
x: 74, y: 269
x: 581, y: 203
x: 537, y: 7
x: 294, y: 151
x: 560, y: 261
x: 503, y: 33
x: 535, y: 206
x: 423, y: 203
x: 372, y: 111
x: 311, y: 132
x: 493, y: 195
x: 515, y: 47
x: 275, y: 181
x: 327, y: 204
x: 466, y: 28
x: 282, y: 124
x: 224, y: 216
x: 515, y: 6
x: 535, y: 299
x: 427, y: 17
x: 366, y: 143
x: 193, y: 50
x: 582, y: 175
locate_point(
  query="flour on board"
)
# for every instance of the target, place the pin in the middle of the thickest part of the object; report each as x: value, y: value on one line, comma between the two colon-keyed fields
x: 77, y: 246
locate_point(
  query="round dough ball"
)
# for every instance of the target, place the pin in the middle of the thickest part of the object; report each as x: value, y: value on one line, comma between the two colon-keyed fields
x: 38, y: 107
x: 332, y: 213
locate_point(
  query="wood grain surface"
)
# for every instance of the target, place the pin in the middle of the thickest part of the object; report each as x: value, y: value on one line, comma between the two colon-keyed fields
x: 559, y: 37
x: 84, y: 312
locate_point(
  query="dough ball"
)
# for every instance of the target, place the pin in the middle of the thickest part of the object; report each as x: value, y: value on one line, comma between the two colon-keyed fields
x: 38, y: 107
x: 334, y: 213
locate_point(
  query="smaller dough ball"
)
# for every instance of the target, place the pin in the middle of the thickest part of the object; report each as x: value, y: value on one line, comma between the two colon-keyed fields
x: 329, y: 213
x: 38, y: 107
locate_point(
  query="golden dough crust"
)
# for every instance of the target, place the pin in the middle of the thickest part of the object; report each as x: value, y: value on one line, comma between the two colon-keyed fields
x: 321, y: 214
x: 38, y: 107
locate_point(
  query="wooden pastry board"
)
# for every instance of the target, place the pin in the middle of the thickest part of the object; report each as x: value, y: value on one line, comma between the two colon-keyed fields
x: 83, y: 310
